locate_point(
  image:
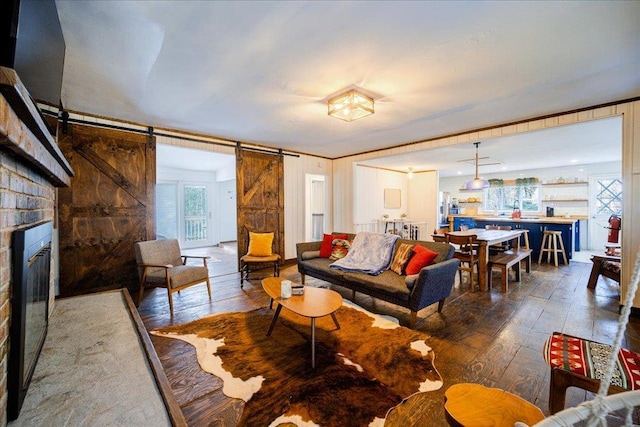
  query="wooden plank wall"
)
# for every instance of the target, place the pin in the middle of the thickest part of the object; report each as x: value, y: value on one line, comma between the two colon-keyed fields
x: 631, y: 191
x: 295, y: 170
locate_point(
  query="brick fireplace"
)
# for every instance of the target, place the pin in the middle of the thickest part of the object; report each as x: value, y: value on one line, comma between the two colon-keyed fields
x: 31, y: 168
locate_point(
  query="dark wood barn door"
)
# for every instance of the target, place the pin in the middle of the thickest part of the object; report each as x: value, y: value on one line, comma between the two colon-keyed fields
x: 260, y: 189
x: 109, y: 206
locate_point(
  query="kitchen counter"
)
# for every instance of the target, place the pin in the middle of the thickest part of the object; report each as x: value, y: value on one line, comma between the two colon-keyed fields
x: 535, y: 226
x: 523, y: 219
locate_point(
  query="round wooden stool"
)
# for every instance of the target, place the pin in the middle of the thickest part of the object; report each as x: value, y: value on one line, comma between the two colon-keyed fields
x: 550, y: 240
x: 474, y: 405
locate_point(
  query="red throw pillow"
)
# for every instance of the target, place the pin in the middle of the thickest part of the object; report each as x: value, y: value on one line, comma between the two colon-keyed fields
x: 421, y: 258
x: 327, y: 239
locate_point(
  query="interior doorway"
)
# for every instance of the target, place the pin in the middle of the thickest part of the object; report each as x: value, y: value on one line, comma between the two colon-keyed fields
x: 315, y: 207
x: 196, y: 204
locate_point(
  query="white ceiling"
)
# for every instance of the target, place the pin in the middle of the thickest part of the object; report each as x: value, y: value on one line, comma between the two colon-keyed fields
x: 596, y: 141
x: 191, y: 159
x: 261, y: 72
x: 572, y: 146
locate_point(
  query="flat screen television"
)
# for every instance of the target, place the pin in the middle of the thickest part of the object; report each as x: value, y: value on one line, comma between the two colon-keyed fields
x: 33, y: 45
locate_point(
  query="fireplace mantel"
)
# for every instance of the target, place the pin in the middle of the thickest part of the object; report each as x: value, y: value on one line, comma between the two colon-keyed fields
x: 23, y: 131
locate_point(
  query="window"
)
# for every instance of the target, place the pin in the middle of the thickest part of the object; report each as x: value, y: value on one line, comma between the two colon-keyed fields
x: 195, y: 212
x: 508, y: 197
x: 609, y: 197
x: 167, y: 210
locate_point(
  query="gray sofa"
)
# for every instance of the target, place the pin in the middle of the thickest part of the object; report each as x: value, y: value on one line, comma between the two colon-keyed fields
x: 432, y: 284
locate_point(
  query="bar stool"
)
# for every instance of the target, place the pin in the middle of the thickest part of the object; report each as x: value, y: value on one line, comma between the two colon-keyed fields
x: 525, y: 246
x: 550, y: 241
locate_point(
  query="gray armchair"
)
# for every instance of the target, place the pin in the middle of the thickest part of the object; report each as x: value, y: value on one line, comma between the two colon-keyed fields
x: 160, y: 264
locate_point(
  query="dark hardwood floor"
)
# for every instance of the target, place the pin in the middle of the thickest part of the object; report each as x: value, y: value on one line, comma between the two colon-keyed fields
x: 488, y: 338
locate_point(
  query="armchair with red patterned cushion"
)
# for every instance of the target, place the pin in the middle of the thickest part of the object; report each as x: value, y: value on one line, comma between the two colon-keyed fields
x: 607, y: 266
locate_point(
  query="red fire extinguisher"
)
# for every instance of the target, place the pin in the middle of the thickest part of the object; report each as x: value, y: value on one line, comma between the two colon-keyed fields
x: 614, y: 228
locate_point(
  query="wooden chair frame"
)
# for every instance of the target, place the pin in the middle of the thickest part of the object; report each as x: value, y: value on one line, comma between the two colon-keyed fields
x: 598, y: 269
x: 466, y: 254
x: 561, y: 380
x: 145, y: 268
x: 247, y: 261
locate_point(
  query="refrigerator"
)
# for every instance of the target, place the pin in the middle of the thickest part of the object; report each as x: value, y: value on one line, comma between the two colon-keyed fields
x: 444, y: 204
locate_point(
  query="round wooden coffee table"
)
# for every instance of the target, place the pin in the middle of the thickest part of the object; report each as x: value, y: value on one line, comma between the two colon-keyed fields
x: 314, y: 303
x: 476, y: 405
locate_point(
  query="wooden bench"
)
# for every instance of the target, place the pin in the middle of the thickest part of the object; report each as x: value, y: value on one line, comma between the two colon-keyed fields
x: 506, y: 260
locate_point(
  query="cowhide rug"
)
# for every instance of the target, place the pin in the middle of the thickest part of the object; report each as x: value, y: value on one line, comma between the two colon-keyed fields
x: 362, y: 370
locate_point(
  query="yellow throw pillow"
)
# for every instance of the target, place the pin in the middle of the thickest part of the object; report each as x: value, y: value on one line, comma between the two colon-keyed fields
x: 260, y: 244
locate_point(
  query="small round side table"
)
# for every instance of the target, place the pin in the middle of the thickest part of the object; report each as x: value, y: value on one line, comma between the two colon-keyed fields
x: 474, y: 405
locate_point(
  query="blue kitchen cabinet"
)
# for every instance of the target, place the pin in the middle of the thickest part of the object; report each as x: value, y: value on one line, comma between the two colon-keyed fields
x: 458, y: 221
x: 570, y: 233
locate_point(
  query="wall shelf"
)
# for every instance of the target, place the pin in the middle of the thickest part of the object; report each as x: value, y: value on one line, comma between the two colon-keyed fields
x: 565, y: 183
x: 564, y: 200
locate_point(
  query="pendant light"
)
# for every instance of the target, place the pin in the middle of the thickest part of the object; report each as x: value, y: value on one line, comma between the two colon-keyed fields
x: 477, y: 183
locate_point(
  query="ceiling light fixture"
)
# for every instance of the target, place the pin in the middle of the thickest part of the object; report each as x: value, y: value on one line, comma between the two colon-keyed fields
x: 350, y: 106
x: 410, y: 174
x: 477, y: 183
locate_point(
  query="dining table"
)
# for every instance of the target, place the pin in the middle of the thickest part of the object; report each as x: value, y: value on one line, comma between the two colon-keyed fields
x: 486, y: 238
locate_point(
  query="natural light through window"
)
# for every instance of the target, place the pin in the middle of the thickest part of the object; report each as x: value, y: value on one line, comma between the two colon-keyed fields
x: 508, y: 197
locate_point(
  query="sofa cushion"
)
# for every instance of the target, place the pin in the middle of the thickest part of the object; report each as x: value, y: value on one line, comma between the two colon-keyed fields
x: 387, y: 283
x: 320, y: 265
x: 401, y: 258
x: 310, y: 255
x: 421, y: 258
x: 339, y: 248
x: 327, y: 240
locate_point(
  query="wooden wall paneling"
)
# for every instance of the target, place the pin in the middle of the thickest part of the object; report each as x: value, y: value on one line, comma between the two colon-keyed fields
x: 295, y: 171
x: 109, y: 207
x: 260, y: 197
x: 631, y: 189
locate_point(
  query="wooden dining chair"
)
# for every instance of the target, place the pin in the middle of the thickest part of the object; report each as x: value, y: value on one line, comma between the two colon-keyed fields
x: 466, y: 252
x: 439, y: 234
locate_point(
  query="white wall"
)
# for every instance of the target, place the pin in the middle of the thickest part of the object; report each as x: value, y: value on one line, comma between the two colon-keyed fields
x: 227, y: 211
x: 368, y: 194
x: 423, y: 199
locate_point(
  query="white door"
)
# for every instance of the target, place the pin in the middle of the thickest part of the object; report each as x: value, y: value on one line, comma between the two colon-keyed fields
x: 226, y: 211
x: 315, y: 209
x: 605, y: 199
x: 195, y: 215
